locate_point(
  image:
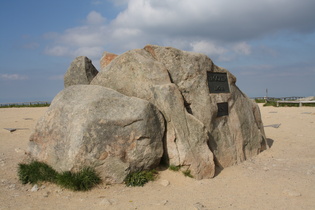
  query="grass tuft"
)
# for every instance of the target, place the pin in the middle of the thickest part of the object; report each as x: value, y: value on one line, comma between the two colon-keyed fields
x: 174, y: 168
x: 270, y: 103
x: 260, y: 100
x: 80, y: 181
x: 36, y: 172
x: 24, y: 105
x: 187, y: 173
x: 140, y: 178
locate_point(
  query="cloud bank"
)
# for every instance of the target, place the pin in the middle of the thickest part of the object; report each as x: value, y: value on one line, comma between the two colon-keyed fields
x: 13, y: 77
x: 221, y: 29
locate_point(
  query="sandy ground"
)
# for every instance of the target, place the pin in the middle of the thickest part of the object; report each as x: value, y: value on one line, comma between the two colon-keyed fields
x: 282, y: 177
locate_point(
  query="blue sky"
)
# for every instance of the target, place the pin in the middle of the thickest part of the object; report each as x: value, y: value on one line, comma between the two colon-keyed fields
x: 264, y: 43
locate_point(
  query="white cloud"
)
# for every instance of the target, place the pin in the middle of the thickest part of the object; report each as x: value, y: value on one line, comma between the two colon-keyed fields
x: 95, y: 18
x: 216, y: 28
x: 13, y: 77
x: 220, y: 20
x: 58, y: 51
x: 208, y: 48
x: 31, y: 45
x: 87, y: 40
x: 242, y: 48
x: 57, y: 77
x: 97, y: 2
x: 119, y: 2
x: 83, y: 36
x: 91, y: 52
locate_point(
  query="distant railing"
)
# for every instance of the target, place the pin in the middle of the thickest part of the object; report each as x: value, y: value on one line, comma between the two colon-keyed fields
x: 18, y: 104
x: 291, y: 98
x: 295, y: 102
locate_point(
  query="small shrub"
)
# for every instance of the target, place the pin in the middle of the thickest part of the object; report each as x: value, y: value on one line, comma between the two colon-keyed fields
x: 174, y: 168
x: 270, y: 103
x: 81, y: 181
x: 187, y: 173
x: 177, y: 168
x: 140, y: 178
x: 24, y: 105
x: 36, y: 172
x: 260, y: 100
x: 312, y: 105
x: 40, y: 172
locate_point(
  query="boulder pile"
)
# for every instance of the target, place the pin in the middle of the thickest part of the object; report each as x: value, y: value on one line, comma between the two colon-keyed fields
x: 146, y: 106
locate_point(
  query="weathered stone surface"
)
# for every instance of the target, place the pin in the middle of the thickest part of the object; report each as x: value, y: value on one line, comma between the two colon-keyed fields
x: 133, y: 74
x: 186, y: 140
x: 89, y: 125
x: 106, y: 59
x: 80, y: 72
x: 136, y: 73
x: 232, y: 138
x: 176, y: 82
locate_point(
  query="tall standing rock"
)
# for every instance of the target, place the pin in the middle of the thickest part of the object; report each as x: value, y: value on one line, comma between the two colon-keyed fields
x: 178, y: 83
x: 136, y: 73
x: 88, y: 125
x: 233, y: 137
x: 80, y: 72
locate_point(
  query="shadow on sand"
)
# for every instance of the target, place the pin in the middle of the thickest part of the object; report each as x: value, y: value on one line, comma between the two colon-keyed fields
x: 219, y: 168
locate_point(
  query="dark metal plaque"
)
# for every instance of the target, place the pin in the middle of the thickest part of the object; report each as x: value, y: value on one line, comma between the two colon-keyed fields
x: 218, y: 82
x: 223, y: 109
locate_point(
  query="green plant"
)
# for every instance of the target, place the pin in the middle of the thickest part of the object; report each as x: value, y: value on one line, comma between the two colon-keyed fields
x: 80, y: 181
x: 187, y: 173
x: 270, y: 103
x: 260, y: 100
x: 36, y: 172
x: 312, y: 105
x: 174, y: 168
x: 140, y: 178
x: 24, y: 105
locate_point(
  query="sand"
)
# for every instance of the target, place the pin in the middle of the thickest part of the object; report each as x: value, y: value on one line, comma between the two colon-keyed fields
x: 282, y: 177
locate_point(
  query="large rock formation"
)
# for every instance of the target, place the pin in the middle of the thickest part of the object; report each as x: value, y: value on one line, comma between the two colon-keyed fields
x: 177, y: 82
x: 97, y: 126
x: 80, y: 72
x: 137, y: 73
x: 208, y: 120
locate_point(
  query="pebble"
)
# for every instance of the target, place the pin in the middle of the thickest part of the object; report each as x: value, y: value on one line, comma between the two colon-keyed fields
x: 12, y: 186
x: 16, y: 195
x: 309, y: 172
x: 35, y: 188
x: 2, y: 163
x: 46, y: 194
x: 162, y: 203
x: 105, y: 202
x: 58, y: 191
x: 199, y: 206
x: 291, y: 193
x: 3, y: 181
x: 18, y: 150
x: 164, y: 182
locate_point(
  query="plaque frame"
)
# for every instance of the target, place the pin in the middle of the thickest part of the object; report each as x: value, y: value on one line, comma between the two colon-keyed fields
x: 223, y: 109
x: 218, y: 82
